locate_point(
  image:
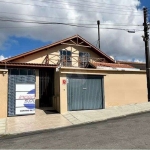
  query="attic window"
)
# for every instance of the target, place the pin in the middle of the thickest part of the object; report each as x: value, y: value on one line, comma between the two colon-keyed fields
x: 84, y: 58
x: 65, y: 57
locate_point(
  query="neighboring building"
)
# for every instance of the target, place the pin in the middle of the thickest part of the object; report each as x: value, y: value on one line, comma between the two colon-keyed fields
x: 139, y: 65
x: 67, y: 75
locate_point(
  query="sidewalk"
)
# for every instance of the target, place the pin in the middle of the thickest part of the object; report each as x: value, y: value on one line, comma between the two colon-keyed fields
x: 79, y: 117
x: 42, y: 121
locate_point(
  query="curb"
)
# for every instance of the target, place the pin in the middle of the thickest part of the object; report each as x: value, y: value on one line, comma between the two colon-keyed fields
x: 10, y: 136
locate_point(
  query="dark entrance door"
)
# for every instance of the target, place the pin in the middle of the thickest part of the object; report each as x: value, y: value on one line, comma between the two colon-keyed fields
x: 46, y: 87
x: 85, y: 92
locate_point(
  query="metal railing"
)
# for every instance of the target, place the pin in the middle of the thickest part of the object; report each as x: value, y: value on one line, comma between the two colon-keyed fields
x: 71, y: 61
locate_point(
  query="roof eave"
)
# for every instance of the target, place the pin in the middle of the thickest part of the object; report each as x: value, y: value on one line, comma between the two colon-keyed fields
x: 55, y: 44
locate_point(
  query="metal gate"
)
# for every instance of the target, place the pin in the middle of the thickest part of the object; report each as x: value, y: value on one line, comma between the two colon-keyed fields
x: 17, y: 76
x: 46, y: 87
x: 85, y: 92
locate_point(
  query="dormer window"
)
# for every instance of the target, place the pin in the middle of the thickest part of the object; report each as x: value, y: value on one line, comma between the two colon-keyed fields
x: 65, y: 57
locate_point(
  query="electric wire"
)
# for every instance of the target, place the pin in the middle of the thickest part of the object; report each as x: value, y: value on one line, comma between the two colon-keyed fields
x: 67, y: 8
x: 10, y: 13
x: 96, y: 3
x: 109, y: 24
x: 60, y: 23
x: 87, y: 5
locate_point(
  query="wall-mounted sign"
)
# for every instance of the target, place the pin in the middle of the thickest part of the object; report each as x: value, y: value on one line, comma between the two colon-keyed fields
x: 25, y: 99
x: 64, y: 81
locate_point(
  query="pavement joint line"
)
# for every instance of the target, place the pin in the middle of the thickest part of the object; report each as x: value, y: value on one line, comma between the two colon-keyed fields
x: 67, y: 119
x: 75, y: 117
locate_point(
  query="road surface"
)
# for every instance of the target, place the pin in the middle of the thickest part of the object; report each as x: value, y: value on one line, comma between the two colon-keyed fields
x: 123, y: 133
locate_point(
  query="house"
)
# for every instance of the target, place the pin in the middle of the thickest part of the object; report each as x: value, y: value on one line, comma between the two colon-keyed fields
x: 68, y: 75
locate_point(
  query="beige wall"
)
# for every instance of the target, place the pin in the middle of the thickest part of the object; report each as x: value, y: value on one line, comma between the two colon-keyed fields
x: 63, y: 94
x: 123, y: 89
x: 54, y: 55
x: 120, y: 87
x: 3, y: 93
x: 37, y: 88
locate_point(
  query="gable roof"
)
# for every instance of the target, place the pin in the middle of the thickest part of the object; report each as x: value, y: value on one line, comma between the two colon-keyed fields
x: 95, y: 49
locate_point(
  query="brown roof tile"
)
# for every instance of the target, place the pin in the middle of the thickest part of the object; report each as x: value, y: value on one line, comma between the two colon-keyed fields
x: 113, y: 65
x: 33, y: 65
x: 139, y: 65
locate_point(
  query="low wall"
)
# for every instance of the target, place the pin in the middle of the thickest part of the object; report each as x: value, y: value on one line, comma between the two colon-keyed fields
x: 125, y: 88
x: 120, y: 87
x: 3, y: 92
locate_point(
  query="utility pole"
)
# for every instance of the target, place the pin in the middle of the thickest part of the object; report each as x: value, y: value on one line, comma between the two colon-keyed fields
x: 146, y: 40
x: 98, y: 23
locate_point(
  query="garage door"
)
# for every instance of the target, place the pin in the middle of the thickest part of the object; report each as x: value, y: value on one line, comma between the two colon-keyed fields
x: 85, y: 92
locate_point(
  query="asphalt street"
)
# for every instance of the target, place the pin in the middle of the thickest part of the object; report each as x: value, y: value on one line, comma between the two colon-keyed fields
x: 124, y: 133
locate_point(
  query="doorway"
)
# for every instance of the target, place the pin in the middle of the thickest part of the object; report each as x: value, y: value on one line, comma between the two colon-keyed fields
x: 46, y: 87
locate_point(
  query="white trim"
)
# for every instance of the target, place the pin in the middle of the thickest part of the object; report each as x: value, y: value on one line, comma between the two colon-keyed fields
x: 119, y: 69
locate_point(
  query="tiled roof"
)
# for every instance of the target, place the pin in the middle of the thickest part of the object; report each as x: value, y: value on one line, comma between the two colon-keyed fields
x: 113, y: 65
x: 139, y: 65
x: 130, y: 62
x: 33, y: 65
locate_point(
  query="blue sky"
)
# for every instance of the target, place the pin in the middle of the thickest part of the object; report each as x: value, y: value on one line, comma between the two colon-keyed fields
x: 20, y: 42
x: 145, y: 3
x: 17, y: 45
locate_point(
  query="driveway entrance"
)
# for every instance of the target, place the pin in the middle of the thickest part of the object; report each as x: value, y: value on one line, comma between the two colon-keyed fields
x: 85, y: 92
x: 40, y: 121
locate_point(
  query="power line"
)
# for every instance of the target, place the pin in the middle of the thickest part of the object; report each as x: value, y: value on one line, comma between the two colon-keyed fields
x: 60, y: 23
x: 78, y: 24
x: 65, y: 8
x: 88, y: 5
x: 97, y: 3
x: 11, y: 13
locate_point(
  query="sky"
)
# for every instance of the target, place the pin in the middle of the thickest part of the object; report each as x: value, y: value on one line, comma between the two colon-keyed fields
x: 18, y: 37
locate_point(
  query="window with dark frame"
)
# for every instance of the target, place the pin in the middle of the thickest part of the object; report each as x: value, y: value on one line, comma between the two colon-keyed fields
x: 84, y: 58
x: 65, y: 57
x: 21, y: 71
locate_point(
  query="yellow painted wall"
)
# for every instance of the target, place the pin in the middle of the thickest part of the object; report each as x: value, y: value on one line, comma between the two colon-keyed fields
x: 120, y: 87
x: 123, y: 89
x: 63, y: 94
x: 3, y: 93
x: 54, y: 55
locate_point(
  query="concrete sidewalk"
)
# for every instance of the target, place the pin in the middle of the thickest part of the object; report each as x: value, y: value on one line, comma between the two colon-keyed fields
x: 79, y: 117
x: 42, y: 121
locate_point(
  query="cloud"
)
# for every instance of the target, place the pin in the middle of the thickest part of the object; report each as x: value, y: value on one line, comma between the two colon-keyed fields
x: 2, y: 57
x: 117, y: 43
